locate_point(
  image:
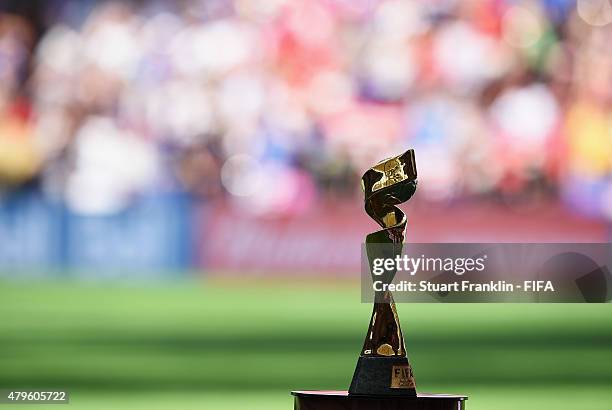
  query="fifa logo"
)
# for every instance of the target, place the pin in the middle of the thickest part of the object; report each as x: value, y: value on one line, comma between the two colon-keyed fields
x: 401, y: 377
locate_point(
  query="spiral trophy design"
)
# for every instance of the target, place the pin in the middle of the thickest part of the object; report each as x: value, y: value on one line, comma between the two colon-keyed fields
x: 383, y: 367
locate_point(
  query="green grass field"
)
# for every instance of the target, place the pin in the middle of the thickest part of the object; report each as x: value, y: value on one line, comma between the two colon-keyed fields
x: 205, y: 345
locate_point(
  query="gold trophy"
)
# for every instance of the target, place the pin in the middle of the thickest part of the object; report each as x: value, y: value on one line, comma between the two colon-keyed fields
x: 383, y: 377
x: 383, y: 367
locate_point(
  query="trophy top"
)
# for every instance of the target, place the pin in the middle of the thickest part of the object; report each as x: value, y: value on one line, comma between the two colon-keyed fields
x: 387, y: 184
x: 389, y: 172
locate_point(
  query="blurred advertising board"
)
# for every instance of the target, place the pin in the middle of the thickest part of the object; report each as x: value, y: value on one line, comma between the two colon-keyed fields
x: 149, y: 238
x: 30, y: 233
x: 323, y: 240
x: 327, y: 238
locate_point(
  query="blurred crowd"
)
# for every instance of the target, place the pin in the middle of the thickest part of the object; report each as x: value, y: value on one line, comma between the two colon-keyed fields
x: 277, y: 105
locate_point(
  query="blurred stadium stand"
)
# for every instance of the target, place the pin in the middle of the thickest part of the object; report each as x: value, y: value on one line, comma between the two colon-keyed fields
x: 150, y: 136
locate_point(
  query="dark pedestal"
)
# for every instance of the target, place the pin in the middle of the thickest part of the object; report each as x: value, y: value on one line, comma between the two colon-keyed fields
x: 372, y: 376
x: 340, y: 400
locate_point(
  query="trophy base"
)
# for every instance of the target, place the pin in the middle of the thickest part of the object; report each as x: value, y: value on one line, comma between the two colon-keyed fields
x: 341, y: 400
x: 383, y: 376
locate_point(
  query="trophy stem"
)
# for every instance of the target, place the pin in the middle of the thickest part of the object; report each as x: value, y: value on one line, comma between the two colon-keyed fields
x: 384, y: 336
